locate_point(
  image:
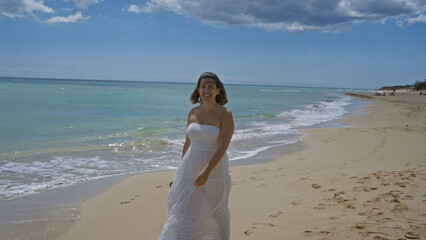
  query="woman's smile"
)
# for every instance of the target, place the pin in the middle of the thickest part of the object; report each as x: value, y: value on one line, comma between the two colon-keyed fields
x: 208, y: 89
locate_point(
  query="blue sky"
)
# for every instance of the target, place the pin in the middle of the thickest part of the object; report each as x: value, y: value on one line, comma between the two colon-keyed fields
x: 323, y: 43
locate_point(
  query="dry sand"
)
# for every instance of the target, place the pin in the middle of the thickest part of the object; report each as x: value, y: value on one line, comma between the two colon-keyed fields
x: 360, y: 182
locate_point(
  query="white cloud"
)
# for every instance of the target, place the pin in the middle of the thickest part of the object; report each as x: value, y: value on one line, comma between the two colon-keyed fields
x: 84, y: 4
x: 290, y: 15
x: 67, y: 9
x: 22, y: 8
x: 135, y: 9
x: 156, y: 6
x: 419, y: 19
x: 78, y: 17
x: 32, y: 8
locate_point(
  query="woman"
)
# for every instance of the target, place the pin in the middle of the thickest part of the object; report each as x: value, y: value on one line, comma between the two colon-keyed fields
x: 197, y: 204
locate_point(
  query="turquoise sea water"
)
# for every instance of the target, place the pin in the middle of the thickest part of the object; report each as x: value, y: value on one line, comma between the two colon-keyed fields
x: 56, y: 133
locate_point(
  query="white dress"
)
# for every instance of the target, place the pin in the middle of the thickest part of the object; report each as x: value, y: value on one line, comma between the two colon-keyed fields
x: 199, y: 213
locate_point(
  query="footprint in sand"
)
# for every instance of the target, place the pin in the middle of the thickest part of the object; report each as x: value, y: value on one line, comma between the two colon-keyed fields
x: 400, y: 184
x: 261, y: 171
x: 236, y: 182
x: 310, y: 233
x: 256, y: 179
x: 411, y: 235
x: 252, y: 229
x: 281, y: 175
x: 165, y: 185
x: 380, y: 238
x: 361, y: 182
x: 399, y: 208
x: 320, y: 206
x: 297, y: 202
x: 350, y: 206
x: 384, y: 183
x: 129, y: 201
x: 275, y: 215
x: 264, y: 224
x: 408, y: 197
x: 375, y: 212
x: 341, y: 197
x: 392, y: 196
x: 384, y: 220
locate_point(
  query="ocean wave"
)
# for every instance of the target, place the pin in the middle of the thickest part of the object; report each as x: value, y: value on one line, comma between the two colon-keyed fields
x: 22, y: 179
x: 262, y: 134
x: 333, y: 107
x: 330, y: 109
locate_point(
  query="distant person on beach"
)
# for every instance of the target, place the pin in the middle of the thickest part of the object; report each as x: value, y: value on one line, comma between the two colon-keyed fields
x: 197, y: 204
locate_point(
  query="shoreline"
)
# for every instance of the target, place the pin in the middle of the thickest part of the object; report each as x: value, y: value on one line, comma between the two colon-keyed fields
x: 349, y: 183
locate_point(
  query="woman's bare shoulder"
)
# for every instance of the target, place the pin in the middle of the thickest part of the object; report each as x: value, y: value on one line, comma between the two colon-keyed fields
x: 225, y: 112
x: 194, y: 109
x: 224, y: 109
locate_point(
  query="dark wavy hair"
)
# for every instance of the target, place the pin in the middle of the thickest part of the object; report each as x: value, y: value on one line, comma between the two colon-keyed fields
x: 221, y: 98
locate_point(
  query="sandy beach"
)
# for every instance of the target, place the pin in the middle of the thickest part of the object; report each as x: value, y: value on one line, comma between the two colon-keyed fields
x: 366, y: 181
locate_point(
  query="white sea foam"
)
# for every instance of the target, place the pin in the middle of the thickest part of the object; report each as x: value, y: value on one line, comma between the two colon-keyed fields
x: 262, y: 135
x: 246, y: 154
x: 21, y: 179
x: 289, y: 121
x: 25, y: 221
x: 317, y: 113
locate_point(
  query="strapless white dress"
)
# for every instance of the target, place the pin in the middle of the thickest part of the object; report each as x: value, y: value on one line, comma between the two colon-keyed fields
x: 199, y: 213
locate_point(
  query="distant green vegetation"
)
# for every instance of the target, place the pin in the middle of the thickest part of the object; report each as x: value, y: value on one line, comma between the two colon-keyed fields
x: 418, y: 85
x: 398, y: 87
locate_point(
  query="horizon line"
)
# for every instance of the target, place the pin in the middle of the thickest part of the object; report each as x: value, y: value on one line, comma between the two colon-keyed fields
x: 144, y: 81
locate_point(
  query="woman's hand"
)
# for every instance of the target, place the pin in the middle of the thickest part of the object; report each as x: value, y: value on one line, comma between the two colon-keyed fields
x: 201, y: 178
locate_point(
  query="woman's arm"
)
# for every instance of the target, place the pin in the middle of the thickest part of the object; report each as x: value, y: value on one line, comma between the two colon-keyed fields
x: 226, y: 132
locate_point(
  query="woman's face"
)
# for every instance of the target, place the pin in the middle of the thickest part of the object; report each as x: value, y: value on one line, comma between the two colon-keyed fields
x: 208, y: 90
